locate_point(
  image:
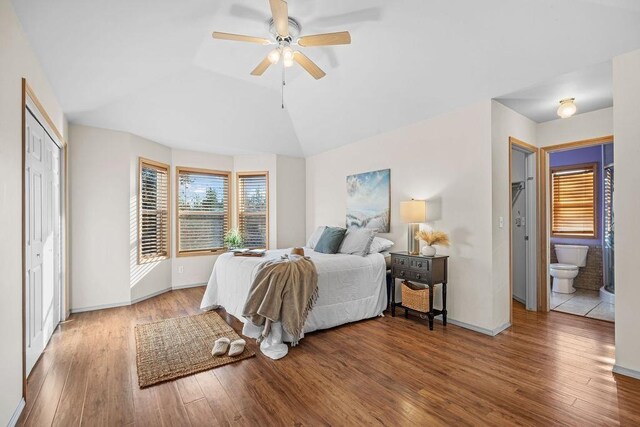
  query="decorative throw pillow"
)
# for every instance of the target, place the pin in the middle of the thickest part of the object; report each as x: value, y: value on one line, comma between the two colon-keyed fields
x: 357, y: 241
x: 330, y: 240
x: 380, y: 245
x: 313, y: 240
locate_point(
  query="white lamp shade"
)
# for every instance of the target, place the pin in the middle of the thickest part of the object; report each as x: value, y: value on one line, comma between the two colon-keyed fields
x: 413, y: 211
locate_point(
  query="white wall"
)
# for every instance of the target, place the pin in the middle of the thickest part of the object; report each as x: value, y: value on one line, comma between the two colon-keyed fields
x: 447, y: 161
x: 626, y: 94
x: 577, y: 128
x: 195, y: 269
x: 99, y: 216
x: 504, y: 123
x: 290, y: 205
x: 18, y: 61
x: 103, y: 174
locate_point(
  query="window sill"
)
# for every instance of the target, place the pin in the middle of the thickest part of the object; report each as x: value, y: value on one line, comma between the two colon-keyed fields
x: 153, y: 259
x: 201, y: 253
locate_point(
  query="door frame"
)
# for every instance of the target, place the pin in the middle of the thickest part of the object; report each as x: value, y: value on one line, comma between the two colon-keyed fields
x: 544, y: 204
x: 29, y: 98
x: 531, y: 149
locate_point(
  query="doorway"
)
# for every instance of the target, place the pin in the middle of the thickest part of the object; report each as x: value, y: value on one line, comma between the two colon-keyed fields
x: 42, y: 233
x: 567, y: 232
x: 523, y: 169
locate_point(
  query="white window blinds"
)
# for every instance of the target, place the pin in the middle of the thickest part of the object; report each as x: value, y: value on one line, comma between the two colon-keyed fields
x: 203, y: 210
x: 153, y: 211
x: 253, y: 206
x: 574, y: 201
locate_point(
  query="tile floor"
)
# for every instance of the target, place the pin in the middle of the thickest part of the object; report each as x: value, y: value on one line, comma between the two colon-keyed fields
x: 583, y: 303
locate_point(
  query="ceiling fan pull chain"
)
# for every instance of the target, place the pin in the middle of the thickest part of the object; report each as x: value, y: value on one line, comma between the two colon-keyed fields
x: 283, y: 83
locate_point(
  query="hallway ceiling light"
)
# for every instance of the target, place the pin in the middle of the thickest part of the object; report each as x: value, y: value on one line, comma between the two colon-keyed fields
x: 567, y: 108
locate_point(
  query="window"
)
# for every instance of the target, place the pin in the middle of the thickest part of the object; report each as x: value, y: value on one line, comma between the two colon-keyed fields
x: 203, y: 211
x: 253, y: 208
x: 153, y: 211
x: 573, y: 204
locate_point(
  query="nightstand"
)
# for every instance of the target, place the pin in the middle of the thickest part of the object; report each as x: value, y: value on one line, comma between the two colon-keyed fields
x: 429, y: 271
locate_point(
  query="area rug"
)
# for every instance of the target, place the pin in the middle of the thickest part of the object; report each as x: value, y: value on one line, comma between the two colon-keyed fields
x: 174, y: 348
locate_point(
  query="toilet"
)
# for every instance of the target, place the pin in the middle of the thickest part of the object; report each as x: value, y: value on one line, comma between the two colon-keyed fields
x: 570, y: 258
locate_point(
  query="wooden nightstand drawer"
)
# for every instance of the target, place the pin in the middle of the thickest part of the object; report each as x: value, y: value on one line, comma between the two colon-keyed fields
x: 408, y: 274
x: 399, y: 261
x: 420, y: 264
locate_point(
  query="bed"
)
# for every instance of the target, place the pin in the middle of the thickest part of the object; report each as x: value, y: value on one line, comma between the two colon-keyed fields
x: 351, y: 288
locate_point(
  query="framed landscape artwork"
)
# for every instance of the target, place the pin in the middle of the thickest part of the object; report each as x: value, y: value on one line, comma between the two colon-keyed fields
x: 369, y: 200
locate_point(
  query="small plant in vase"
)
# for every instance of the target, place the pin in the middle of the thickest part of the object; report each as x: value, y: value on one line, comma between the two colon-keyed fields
x: 432, y: 238
x: 233, y: 239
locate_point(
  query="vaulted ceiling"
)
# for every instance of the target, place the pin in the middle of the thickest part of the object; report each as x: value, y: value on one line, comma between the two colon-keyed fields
x: 150, y: 67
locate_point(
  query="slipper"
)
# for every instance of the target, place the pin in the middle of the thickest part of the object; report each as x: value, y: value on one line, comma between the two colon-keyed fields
x: 220, y: 347
x: 237, y: 347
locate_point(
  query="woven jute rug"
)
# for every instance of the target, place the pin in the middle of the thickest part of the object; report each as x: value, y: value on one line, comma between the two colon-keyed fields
x: 175, y: 348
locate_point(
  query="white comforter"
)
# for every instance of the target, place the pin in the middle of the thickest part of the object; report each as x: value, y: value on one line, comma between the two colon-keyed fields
x: 350, y: 288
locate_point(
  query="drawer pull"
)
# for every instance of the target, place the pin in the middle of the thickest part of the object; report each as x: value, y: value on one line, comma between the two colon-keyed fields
x: 402, y: 273
x: 402, y: 261
x: 420, y: 264
x: 417, y: 276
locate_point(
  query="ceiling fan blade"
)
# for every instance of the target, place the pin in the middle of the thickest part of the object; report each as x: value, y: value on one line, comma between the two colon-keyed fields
x: 308, y: 65
x: 280, y: 12
x: 262, y: 67
x: 343, y: 37
x: 240, y: 38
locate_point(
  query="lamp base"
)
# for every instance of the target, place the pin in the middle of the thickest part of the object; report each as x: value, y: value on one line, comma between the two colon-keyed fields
x: 413, y: 244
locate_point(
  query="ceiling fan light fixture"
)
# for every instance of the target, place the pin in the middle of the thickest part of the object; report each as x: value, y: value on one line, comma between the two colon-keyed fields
x: 567, y: 108
x: 274, y: 56
x: 287, y: 53
x: 288, y: 62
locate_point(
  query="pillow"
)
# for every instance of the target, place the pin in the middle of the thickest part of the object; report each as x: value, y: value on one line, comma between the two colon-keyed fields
x: 330, y: 240
x: 357, y: 241
x: 313, y: 240
x: 380, y: 245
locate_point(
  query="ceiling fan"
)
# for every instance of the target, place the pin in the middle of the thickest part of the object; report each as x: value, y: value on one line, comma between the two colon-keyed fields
x: 285, y: 32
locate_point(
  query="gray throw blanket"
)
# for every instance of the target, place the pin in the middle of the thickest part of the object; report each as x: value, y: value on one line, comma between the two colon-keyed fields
x: 283, y: 290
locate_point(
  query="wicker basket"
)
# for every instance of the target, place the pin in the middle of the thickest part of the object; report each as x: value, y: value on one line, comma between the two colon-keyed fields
x: 415, y: 297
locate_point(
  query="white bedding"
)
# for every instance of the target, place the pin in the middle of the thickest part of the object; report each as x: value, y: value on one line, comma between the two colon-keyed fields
x: 350, y: 288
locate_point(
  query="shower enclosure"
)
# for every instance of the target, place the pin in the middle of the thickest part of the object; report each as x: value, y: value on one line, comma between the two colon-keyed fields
x: 608, y: 253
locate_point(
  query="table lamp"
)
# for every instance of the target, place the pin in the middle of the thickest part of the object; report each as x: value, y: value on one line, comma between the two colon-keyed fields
x: 414, y: 213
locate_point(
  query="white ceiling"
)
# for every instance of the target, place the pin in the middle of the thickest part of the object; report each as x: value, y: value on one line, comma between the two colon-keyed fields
x: 592, y: 87
x: 152, y: 69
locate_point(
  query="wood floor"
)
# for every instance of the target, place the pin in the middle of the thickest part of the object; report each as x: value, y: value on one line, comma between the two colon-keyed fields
x: 547, y: 369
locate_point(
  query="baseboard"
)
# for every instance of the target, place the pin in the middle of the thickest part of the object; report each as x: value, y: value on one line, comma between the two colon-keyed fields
x: 520, y: 300
x: 100, y: 307
x: 16, y: 414
x: 485, y: 331
x: 136, y: 300
x: 193, y: 285
x: 617, y: 369
x: 151, y: 295
x: 501, y: 328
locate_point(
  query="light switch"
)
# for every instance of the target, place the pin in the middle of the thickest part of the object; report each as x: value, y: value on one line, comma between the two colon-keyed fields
x: 501, y: 222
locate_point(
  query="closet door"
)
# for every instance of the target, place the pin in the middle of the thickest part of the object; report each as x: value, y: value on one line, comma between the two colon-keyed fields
x: 42, y: 219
